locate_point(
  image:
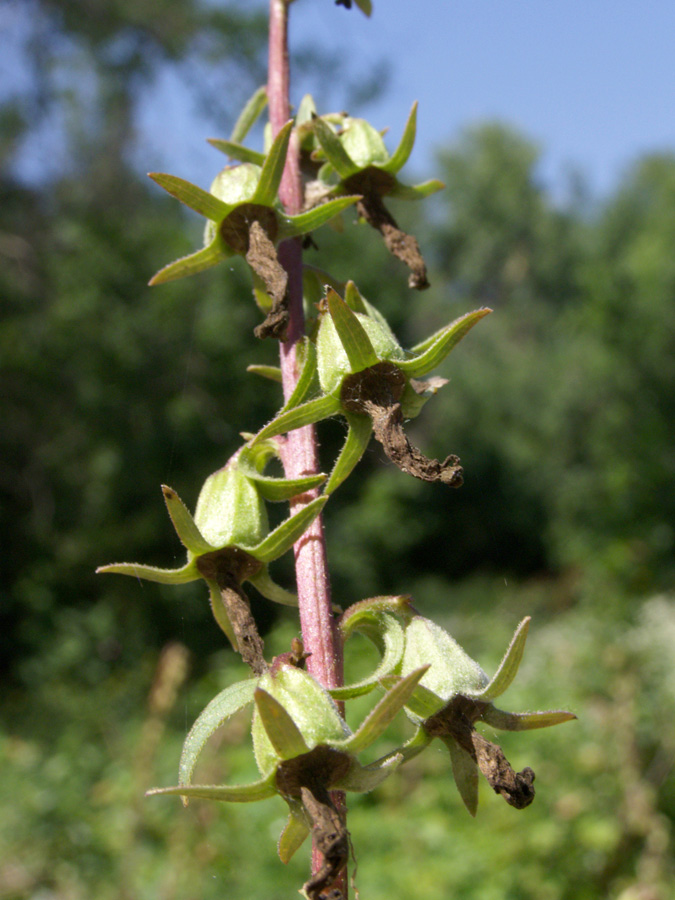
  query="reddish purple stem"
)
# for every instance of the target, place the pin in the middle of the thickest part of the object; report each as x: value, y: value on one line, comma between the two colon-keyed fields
x: 300, y: 450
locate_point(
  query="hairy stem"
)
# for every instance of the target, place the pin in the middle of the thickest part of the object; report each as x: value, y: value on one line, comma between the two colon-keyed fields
x: 300, y: 454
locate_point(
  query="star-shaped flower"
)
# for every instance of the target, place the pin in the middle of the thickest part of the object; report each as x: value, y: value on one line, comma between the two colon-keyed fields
x: 358, y: 163
x: 303, y: 749
x: 455, y: 694
x: 245, y: 218
x: 229, y: 542
x: 367, y: 377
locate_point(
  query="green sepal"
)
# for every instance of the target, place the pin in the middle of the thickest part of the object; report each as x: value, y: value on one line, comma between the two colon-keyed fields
x: 423, y: 703
x: 193, y: 263
x: 191, y: 195
x: 234, y: 793
x: 306, y: 376
x: 273, y: 373
x: 249, y: 114
x: 362, y: 779
x: 336, y: 154
x: 285, y: 535
x: 358, y: 437
x: 216, y: 713
x: 305, y: 414
x: 508, y: 667
x: 185, y: 574
x: 383, y: 630
x: 402, y: 153
x: 278, y: 489
x: 271, y: 590
x: 398, y: 604
x: 303, y: 223
x: 430, y: 353
x: 416, y: 192
x: 292, y: 837
x: 273, y: 168
x: 365, y: 6
x: 190, y: 536
x: 358, y: 304
x: 238, y: 151
x: 220, y: 613
x: 507, y: 721
x: 283, y: 733
x: 465, y: 773
x: 382, y: 714
x: 352, y: 335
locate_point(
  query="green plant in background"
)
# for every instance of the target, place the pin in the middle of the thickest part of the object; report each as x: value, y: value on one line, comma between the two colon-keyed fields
x: 349, y: 363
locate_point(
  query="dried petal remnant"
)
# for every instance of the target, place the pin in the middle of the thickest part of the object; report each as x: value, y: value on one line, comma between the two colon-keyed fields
x: 377, y: 391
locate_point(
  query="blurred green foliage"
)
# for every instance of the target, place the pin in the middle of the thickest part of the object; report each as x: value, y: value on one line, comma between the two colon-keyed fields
x: 560, y: 405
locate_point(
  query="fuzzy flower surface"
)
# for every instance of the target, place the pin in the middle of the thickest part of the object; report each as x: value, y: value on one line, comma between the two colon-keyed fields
x: 303, y: 749
x: 366, y: 376
x: 228, y: 540
x: 454, y: 694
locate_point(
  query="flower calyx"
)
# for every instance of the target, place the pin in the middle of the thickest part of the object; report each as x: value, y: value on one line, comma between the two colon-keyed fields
x: 244, y: 218
x: 367, y: 377
x: 303, y: 749
x: 228, y: 541
x: 455, y: 694
x: 358, y: 163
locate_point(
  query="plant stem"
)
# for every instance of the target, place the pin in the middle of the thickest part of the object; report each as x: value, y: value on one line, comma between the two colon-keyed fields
x: 300, y: 450
x: 300, y: 455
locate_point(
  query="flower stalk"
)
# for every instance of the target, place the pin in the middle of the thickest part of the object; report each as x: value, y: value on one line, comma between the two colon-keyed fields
x: 300, y: 449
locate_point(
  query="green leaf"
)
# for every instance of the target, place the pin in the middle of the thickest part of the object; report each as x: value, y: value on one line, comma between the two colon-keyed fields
x: 273, y: 168
x: 282, y: 731
x: 187, y: 573
x: 235, y: 793
x: 249, y: 114
x: 285, y: 535
x: 306, y: 414
x: 238, y: 151
x: 380, y: 717
x: 218, y: 711
x: 191, y: 195
x: 303, y: 223
x: 190, y: 536
x: 433, y: 351
x: 509, y: 665
x: 271, y: 590
x: 352, y: 334
x: 402, y: 153
x: 203, y: 259
x: 465, y: 773
x: 336, y: 154
x: 292, y: 837
x: 525, y: 721
x: 385, y: 632
x: 358, y: 437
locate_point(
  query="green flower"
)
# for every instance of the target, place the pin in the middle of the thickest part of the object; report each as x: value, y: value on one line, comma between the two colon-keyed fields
x: 228, y: 541
x: 303, y: 749
x: 453, y: 695
x: 358, y: 163
x: 366, y: 376
x: 245, y: 218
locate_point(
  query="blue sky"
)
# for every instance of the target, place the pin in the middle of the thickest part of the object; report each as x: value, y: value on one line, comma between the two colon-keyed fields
x: 591, y: 81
